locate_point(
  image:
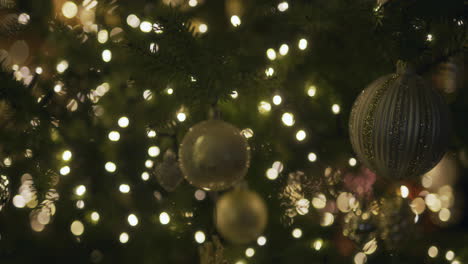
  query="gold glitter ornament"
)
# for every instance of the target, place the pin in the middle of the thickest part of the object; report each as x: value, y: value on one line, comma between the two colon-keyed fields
x: 399, y: 126
x: 214, y: 155
x: 241, y: 216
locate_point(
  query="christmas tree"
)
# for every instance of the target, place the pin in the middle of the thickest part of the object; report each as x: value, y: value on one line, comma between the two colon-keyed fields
x: 233, y: 131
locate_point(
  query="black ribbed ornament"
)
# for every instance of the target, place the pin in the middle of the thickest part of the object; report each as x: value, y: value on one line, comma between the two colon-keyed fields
x: 399, y: 126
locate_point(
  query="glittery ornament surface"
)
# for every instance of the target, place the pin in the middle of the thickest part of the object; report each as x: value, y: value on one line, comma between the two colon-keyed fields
x: 4, y: 191
x: 399, y: 126
x: 214, y: 155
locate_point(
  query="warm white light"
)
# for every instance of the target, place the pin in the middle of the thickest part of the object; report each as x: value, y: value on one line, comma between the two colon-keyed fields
x: 106, y: 55
x: 95, y: 216
x: 151, y: 134
x: 199, y: 237
x: 433, y: 251
x: 234, y: 94
x: 181, y: 117
x: 114, y: 136
x: 264, y: 107
x: 430, y: 37
x: 203, y: 28
x: 297, y: 233
x: 288, y: 119
x: 170, y: 91
x: 312, y: 91
x: 69, y: 9
x: 124, y: 188
x: 302, y: 44
x: 19, y: 201
x: 149, y: 164
x: 317, y: 245
x: 450, y: 255
x: 336, y: 109
x: 132, y: 220
x: 110, y: 166
x: 80, y: 190
x: 235, y: 21
x: 193, y: 3
x: 145, y: 176
x: 65, y: 170
x: 77, y: 228
x: 146, y: 26
x: 352, y: 162
x: 164, y: 218
x: 404, y: 191
x: 277, y: 99
x: 261, y: 240
x: 133, y: 21
x: 444, y: 215
x: 66, y: 155
x: 62, y: 66
x: 272, y: 174
x: 301, y: 135
x: 103, y: 36
x: 283, y: 6
x: 123, y: 121
x: 250, y: 252
x: 200, y: 195
x: 271, y: 54
x: 153, y: 151
x: 39, y: 70
x: 123, y: 238
x: 23, y: 19
x: 269, y: 72
x: 284, y: 49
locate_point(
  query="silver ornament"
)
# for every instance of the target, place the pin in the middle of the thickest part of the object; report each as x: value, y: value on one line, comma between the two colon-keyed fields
x: 214, y: 155
x: 4, y: 191
x: 399, y: 126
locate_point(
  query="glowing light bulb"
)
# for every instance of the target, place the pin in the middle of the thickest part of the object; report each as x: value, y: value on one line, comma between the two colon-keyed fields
x: 106, y: 55
x: 145, y: 176
x: 133, y: 21
x: 66, y: 155
x: 181, y: 117
x: 193, y: 3
x: 123, y: 122
x: 235, y: 21
x: 62, y: 66
x: 39, y: 70
x: 164, y: 218
x: 301, y: 135
x: 433, y: 252
x: 114, y: 136
x: 311, y: 91
x: 302, y: 44
x: 77, y: 228
x: 264, y: 107
x: 250, y: 252
x: 80, y: 190
x: 69, y: 9
x: 430, y: 37
x: 234, y: 94
x: 124, y: 188
x: 284, y: 49
x: 132, y: 220
x: 288, y: 119
x: 352, y: 162
x: 65, y: 170
x: 277, y: 100
x: 203, y: 28
x: 404, y: 191
x: 261, y: 240
x: 146, y: 26
x: 200, y: 195
x: 110, y: 166
x: 123, y: 238
x: 450, y: 255
x: 154, y: 151
x: 312, y: 157
x: 269, y: 72
x: 103, y: 36
x: 149, y: 164
x: 272, y: 174
x: 151, y: 134
x: 169, y: 91
x: 95, y: 216
x: 200, y: 237
x: 297, y: 233
x: 335, y: 109
x: 283, y: 6
x: 317, y: 244
x: 271, y: 54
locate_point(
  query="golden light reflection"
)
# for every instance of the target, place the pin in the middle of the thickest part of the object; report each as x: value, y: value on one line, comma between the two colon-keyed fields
x: 77, y: 228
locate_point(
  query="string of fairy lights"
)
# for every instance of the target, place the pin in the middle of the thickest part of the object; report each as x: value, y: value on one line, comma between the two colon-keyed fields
x: 439, y: 201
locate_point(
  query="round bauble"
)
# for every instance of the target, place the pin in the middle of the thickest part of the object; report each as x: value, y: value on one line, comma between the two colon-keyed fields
x: 168, y: 172
x: 399, y: 126
x: 241, y: 216
x: 214, y: 155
